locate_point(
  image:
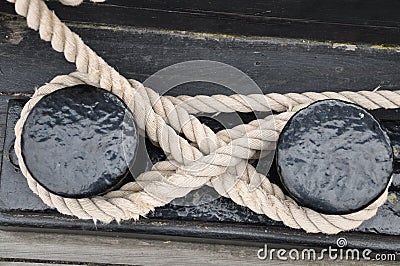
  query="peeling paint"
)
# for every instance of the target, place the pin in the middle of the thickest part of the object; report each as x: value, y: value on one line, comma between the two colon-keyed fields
x: 385, y: 47
x: 392, y: 198
x: 345, y: 46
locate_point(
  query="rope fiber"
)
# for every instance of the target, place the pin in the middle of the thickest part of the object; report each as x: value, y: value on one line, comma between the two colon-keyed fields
x: 199, y: 157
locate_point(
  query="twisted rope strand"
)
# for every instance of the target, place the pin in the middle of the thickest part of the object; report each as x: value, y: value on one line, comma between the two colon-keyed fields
x: 221, y: 159
x: 282, y: 102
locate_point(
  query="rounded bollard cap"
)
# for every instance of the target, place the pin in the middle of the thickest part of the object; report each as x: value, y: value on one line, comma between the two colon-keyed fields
x: 334, y: 157
x: 78, y: 141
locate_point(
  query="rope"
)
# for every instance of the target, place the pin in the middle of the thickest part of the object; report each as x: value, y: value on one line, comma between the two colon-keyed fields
x: 282, y: 102
x: 201, y: 157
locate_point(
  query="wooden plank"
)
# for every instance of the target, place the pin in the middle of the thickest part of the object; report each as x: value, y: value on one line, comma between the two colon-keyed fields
x: 368, y: 21
x: 97, y: 249
x: 14, y: 78
x: 83, y: 250
x: 13, y: 263
x: 3, y: 117
x: 276, y: 65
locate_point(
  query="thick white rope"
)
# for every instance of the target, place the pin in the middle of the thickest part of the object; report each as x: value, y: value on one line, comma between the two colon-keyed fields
x: 205, y: 158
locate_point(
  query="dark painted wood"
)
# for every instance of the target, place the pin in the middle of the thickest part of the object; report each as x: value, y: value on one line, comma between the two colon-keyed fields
x: 275, y: 65
x: 389, y: 119
x: 3, y: 117
x: 369, y: 21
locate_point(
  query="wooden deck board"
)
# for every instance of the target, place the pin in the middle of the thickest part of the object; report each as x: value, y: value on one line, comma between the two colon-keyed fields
x: 116, y: 250
x: 38, y: 249
x: 10, y: 263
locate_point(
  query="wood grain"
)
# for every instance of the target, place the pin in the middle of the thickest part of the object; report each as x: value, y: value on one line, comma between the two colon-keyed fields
x: 97, y: 249
x: 11, y: 263
x: 3, y: 116
x: 88, y: 250
x: 368, y: 21
x: 276, y: 65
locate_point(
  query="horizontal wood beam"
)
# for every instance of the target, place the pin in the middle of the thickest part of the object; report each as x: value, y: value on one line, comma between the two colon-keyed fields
x: 368, y: 21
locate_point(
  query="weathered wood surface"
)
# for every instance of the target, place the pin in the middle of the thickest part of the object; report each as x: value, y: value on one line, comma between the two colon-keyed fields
x: 116, y: 251
x: 275, y: 65
x: 37, y: 249
x: 3, y: 117
x: 368, y: 21
x: 25, y: 263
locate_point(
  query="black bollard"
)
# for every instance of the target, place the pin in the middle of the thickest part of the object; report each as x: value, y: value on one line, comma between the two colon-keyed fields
x: 334, y: 157
x: 78, y: 141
